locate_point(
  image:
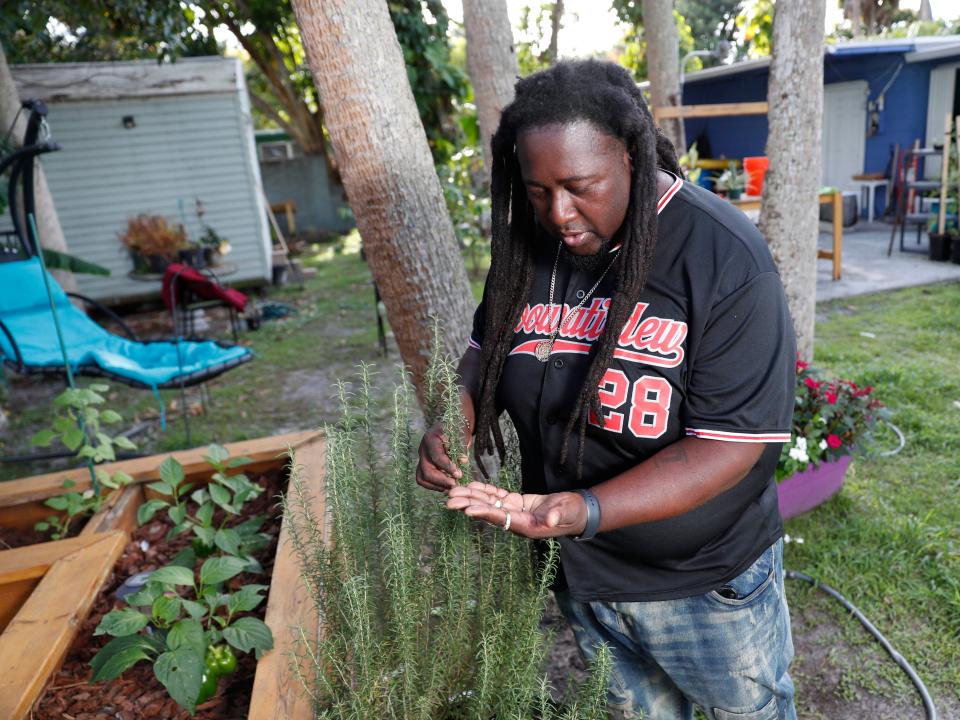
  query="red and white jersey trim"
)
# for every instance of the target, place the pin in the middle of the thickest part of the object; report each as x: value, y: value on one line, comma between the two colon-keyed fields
x: 668, y: 195
x: 739, y: 436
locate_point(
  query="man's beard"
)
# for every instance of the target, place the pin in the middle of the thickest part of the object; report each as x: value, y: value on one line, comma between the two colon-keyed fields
x: 591, y: 264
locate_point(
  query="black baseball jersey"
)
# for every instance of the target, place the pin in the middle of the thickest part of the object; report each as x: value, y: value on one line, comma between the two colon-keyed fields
x: 707, y: 351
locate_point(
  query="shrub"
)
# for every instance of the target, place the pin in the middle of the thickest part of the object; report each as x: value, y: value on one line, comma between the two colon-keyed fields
x: 831, y: 418
x: 424, y: 613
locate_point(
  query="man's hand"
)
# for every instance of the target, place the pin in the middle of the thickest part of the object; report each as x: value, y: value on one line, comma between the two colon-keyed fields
x: 532, y: 516
x: 436, y: 471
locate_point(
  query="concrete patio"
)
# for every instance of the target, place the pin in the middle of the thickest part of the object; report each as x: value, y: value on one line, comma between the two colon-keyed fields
x: 866, y: 267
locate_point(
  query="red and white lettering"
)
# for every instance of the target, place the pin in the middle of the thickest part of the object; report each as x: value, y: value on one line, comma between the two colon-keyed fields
x: 649, y: 340
x: 662, y: 338
x: 649, y: 410
x: 650, y: 406
x: 613, y: 393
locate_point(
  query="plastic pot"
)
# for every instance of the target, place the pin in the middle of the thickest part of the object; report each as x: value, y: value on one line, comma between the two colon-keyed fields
x: 939, y: 249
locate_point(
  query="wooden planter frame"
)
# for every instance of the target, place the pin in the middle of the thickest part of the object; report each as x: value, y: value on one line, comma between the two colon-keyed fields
x: 39, y: 619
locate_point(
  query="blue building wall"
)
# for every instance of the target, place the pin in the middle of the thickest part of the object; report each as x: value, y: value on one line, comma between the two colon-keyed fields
x: 729, y: 137
x: 903, y: 120
x: 904, y: 117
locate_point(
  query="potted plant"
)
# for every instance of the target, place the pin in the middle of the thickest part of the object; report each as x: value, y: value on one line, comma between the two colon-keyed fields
x: 733, y: 181
x: 153, y: 242
x: 833, y: 419
x: 213, y: 246
x: 193, y: 254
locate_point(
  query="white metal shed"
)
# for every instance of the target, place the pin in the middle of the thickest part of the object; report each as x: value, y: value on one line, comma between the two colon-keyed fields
x: 143, y: 137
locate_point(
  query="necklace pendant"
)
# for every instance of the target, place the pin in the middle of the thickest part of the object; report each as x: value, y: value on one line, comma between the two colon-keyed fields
x: 543, y: 349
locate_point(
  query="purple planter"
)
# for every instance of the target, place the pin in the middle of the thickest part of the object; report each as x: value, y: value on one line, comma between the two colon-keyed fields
x: 805, y: 490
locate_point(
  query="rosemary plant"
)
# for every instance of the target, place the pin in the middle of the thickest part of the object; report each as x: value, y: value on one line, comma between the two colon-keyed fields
x: 425, y: 614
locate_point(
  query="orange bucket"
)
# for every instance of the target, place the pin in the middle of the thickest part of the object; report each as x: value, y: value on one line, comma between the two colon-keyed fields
x: 756, y: 168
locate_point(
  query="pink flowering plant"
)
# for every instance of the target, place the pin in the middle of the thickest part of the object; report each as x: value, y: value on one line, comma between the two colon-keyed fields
x: 831, y: 418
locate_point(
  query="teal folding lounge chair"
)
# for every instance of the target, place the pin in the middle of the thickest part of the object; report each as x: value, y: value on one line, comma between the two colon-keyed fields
x: 28, y: 339
x: 41, y: 331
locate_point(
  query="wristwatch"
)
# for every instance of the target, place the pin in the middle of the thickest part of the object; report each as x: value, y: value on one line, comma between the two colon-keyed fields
x: 593, y: 516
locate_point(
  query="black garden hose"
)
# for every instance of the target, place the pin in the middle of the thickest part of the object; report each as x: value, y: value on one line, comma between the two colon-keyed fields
x: 897, y: 657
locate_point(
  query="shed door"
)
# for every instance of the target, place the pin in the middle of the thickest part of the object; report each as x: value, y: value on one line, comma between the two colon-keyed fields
x: 844, y: 132
x: 943, y: 81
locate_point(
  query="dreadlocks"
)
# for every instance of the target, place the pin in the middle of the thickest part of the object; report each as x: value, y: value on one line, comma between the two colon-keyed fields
x: 606, y: 95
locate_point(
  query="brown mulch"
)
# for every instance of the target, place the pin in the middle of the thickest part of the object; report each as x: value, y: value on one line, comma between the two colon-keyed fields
x: 21, y: 537
x: 137, y: 694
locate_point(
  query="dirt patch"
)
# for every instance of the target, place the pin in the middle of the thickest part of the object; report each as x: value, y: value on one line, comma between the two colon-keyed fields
x: 14, y: 538
x: 822, y: 673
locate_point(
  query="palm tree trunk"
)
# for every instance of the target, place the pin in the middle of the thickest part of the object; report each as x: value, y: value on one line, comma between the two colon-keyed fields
x: 491, y: 62
x: 556, y: 15
x: 663, y: 65
x: 388, y: 173
x: 789, y: 218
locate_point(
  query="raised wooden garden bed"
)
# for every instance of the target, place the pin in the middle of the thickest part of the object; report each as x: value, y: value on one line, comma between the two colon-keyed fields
x: 47, y: 589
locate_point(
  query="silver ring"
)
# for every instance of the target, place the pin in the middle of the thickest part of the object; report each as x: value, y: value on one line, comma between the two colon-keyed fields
x: 506, y: 524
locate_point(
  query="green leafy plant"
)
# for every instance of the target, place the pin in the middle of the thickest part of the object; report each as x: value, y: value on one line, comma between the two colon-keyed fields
x: 688, y: 162
x: 426, y: 614
x: 462, y: 179
x: 230, y: 492
x: 185, y: 622
x: 731, y: 180
x: 186, y: 628
x: 831, y: 418
x: 77, y: 423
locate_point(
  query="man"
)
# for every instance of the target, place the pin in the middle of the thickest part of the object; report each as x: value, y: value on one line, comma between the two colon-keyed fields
x: 647, y: 315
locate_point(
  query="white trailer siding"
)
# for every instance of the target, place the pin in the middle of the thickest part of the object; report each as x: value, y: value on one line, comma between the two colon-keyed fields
x: 181, y: 147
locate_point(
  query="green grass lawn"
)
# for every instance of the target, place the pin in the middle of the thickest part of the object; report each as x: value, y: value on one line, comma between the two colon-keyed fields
x: 890, y: 541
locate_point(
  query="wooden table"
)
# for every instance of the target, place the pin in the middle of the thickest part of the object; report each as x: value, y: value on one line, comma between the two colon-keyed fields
x: 834, y: 198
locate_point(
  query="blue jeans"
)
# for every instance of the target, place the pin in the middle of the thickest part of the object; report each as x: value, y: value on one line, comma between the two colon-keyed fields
x: 727, y: 652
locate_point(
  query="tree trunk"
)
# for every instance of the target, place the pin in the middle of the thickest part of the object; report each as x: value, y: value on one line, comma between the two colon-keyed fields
x: 555, y: 17
x: 491, y: 62
x: 663, y: 67
x: 789, y: 218
x: 388, y: 173
x: 870, y: 19
x: 855, y: 13
x: 48, y: 224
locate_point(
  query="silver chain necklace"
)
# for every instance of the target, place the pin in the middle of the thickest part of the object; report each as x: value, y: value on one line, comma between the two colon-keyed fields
x: 545, y: 347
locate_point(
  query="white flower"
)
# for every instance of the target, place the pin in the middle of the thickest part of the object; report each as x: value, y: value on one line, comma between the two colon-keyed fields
x: 800, y: 454
x: 801, y: 443
x: 823, y: 444
x: 823, y: 420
